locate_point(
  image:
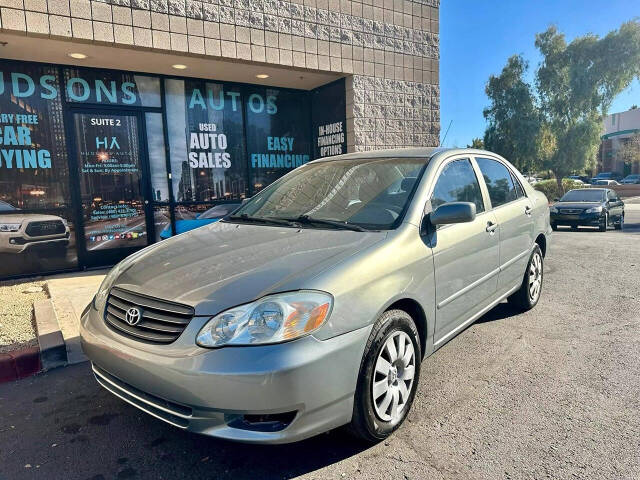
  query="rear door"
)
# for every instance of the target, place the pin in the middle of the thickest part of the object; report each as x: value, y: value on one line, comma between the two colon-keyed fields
x: 512, y: 209
x: 465, y: 255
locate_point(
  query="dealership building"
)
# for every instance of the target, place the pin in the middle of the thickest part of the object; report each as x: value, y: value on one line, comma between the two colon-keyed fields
x: 618, y: 129
x: 124, y: 122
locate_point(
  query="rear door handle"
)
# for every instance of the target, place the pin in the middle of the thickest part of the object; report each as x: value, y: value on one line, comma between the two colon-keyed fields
x: 491, y: 227
x: 528, y: 210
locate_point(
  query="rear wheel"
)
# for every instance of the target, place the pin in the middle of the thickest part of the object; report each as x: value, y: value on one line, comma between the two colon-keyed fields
x: 529, y: 293
x: 388, y: 377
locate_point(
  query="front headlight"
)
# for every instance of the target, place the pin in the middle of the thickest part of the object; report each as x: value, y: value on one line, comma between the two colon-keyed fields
x: 100, y: 298
x: 593, y: 210
x: 272, y: 319
x: 9, y: 227
x: 553, y: 209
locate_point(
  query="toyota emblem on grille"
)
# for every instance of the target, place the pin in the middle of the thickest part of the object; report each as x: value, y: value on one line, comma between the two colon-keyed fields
x: 134, y: 315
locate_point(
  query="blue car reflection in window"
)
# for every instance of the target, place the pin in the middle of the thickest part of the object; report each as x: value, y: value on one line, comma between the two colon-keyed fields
x: 205, y: 218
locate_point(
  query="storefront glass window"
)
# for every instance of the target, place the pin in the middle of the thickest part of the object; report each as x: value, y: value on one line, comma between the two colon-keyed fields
x: 34, y: 172
x: 162, y: 222
x: 36, y: 219
x: 206, y: 141
x: 278, y: 133
x: 105, y: 87
x: 157, y: 157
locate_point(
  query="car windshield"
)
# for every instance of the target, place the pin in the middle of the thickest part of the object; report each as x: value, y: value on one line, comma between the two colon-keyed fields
x: 219, y: 211
x: 369, y: 193
x: 583, y: 196
x: 4, y: 206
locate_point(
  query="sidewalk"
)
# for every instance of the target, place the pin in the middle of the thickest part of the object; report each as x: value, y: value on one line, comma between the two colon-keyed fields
x: 70, y: 294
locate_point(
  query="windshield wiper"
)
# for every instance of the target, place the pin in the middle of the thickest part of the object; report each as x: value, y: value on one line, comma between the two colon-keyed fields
x: 306, y: 219
x: 268, y: 220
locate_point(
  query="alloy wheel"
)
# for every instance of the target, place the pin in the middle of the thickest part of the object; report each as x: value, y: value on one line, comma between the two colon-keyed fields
x: 535, y: 277
x: 393, y: 377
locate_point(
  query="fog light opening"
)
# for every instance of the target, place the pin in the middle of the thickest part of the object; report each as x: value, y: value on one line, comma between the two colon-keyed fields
x: 273, y: 422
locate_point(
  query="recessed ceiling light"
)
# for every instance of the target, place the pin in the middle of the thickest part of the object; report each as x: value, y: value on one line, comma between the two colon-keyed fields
x: 179, y: 66
x: 262, y: 75
x: 78, y: 56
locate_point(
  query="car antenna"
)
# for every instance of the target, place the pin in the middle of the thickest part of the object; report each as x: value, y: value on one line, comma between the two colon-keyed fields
x: 446, y: 133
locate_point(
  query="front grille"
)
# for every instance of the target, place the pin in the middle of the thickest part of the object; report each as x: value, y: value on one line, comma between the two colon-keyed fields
x: 48, y: 227
x: 160, y: 321
x: 570, y: 211
x: 171, y: 412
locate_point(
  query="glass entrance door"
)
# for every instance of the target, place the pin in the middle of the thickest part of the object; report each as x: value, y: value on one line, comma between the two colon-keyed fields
x: 111, y: 164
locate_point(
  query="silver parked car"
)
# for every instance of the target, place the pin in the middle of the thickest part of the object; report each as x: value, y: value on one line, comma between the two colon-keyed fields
x: 313, y: 305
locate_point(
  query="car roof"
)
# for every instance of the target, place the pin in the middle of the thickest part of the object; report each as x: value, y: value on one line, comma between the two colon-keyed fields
x: 413, y: 152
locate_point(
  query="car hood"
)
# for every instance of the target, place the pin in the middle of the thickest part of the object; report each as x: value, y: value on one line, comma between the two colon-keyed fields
x: 224, y: 264
x: 582, y: 205
x: 18, y: 217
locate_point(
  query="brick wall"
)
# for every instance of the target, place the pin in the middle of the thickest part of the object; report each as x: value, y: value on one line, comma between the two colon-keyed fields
x: 389, y: 48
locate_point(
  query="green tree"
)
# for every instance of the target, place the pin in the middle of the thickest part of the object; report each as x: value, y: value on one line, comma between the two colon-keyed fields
x: 574, y: 87
x: 513, y: 119
x: 477, y: 143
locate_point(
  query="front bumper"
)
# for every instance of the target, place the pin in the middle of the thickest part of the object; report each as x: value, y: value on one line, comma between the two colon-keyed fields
x: 581, y: 219
x: 208, y: 391
x: 17, y: 242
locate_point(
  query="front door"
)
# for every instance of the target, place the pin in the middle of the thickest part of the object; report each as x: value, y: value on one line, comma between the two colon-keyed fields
x: 465, y: 255
x: 110, y: 162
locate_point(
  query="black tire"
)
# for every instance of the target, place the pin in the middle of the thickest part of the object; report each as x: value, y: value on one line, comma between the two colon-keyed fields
x: 618, y: 226
x: 522, y: 299
x: 604, y: 222
x: 554, y: 226
x: 574, y: 228
x: 366, y: 424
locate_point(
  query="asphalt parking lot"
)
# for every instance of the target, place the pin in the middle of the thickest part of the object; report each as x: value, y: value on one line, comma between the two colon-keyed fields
x: 553, y: 393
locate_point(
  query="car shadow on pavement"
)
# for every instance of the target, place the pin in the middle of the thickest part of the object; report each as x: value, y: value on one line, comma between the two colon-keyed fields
x: 499, y: 312
x: 203, y: 456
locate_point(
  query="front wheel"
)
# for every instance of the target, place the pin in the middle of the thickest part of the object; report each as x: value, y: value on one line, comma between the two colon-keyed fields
x: 529, y: 293
x: 388, y: 377
x: 554, y: 226
x: 618, y: 226
x: 604, y: 222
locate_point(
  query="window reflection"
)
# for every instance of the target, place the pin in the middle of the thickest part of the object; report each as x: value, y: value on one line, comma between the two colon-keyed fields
x: 206, y: 141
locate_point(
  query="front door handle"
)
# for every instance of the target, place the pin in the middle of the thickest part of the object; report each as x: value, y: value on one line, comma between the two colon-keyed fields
x: 491, y: 227
x: 528, y: 210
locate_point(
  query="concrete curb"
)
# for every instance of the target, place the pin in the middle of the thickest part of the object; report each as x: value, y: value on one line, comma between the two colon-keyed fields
x: 20, y: 364
x: 53, y: 351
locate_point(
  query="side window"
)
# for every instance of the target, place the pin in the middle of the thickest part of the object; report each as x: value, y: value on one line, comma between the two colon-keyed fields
x: 519, y: 190
x: 457, y: 183
x: 498, y: 180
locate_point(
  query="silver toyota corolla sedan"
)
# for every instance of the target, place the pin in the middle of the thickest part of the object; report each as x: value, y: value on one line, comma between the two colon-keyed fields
x: 313, y: 305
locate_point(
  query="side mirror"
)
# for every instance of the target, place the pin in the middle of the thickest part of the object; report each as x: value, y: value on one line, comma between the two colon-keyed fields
x: 453, y: 212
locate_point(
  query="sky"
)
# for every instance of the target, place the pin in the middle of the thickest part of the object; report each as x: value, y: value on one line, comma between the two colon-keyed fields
x: 478, y: 36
